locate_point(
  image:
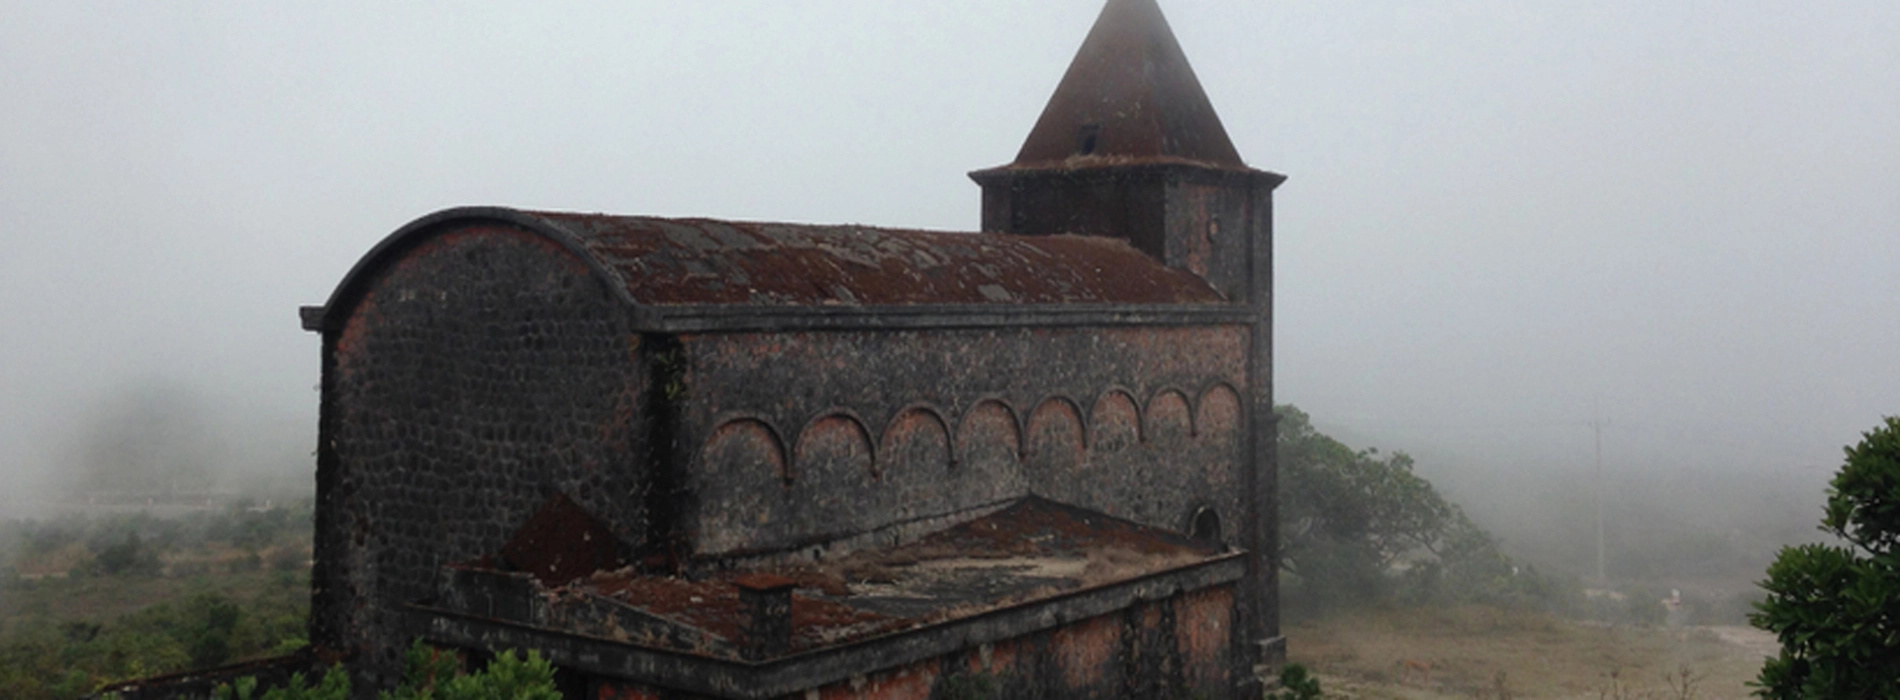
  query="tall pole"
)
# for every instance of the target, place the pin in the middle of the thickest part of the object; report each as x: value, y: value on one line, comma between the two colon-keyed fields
x: 1597, y: 423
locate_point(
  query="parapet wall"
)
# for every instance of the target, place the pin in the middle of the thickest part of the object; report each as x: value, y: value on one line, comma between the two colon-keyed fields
x: 1172, y: 648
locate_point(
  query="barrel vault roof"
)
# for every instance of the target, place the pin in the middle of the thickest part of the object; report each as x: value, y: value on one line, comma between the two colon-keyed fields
x: 659, y: 261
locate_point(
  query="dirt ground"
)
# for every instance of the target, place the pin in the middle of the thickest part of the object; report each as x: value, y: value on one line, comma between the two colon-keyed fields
x: 1482, y: 652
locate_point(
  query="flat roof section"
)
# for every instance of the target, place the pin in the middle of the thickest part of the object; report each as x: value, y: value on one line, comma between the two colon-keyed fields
x: 1032, y: 566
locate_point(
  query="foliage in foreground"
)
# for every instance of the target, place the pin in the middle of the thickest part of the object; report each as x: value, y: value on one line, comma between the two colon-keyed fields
x: 334, y: 686
x: 428, y: 674
x: 1836, y: 609
x: 55, y: 660
x: 1358, y: 527
x: 93, y: 599
x: 1296, y: 684
x: 433, y: 674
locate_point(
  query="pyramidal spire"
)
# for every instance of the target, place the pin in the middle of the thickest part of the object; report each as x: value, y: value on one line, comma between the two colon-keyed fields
x: 1130, y: 94
x: 1130, y: 148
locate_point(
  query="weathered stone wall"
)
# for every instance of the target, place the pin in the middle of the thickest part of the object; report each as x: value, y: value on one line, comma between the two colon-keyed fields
x: 1215, y: 221
x: 474, y: 376
x: 1203, y: 220
x: 801, y: 438
x: 1177, y: 648
x: 482, y: 370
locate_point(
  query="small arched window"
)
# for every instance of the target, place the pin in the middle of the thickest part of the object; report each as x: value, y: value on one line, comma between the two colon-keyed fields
x: 1204, y: 526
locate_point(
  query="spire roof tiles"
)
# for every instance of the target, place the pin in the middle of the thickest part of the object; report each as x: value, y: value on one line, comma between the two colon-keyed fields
x: 1129, y: 96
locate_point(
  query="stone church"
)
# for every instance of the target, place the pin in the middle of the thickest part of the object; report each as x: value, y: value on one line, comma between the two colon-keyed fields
x: 705, y: 458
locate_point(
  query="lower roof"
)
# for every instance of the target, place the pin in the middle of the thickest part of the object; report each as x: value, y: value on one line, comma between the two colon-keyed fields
x: 1026, y: 568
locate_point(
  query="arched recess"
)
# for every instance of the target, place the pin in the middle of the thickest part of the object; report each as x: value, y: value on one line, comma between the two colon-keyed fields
x: 989, y: 431
x: 1056, y: 437
x: 989, y: 453
x: 743, y: 473
x: 915, y: 446
x: 833, y: 458
x: 835, y: 448
x: 1115, y: 422
x: 913, y: 464
x: 740, y: 443
x: 1218, y: 417
x: 1170, y: 421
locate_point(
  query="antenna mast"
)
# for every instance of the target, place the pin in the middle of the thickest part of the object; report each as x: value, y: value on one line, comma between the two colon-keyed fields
x: 1596, y: 423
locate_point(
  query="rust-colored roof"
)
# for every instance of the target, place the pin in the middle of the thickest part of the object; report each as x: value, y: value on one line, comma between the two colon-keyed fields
x: 701, y: 261
x: 655, y: 261
x: 1030, y: 551
x: 1129, y: 96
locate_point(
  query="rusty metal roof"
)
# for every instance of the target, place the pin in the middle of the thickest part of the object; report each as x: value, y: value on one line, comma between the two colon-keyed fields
x: 702, y: 261
x: 1129, y: 97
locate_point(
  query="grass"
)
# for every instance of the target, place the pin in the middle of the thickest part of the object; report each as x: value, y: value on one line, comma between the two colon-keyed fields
x: 102, y: 599
x: 1486, y: 652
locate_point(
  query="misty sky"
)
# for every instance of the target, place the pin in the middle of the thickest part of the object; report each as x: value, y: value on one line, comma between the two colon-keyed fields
x: 1501, y: 215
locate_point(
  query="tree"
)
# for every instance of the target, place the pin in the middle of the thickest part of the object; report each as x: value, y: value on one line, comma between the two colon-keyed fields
x: 210, y: 620
x: 1836, y: 608
x: 130, y: 555
x: 1333, y: 494
x: 1355, y: 521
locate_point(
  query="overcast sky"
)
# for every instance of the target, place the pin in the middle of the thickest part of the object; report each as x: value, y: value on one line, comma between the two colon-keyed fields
x: 1503, y: 217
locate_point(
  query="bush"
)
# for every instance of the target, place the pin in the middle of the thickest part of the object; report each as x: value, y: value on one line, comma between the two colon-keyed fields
x: 1296, y: 684
x: 206, y: 629
x: 1836, y: 609
x: 428, y: 674
x: 334, y: 686
x: 128, y: 556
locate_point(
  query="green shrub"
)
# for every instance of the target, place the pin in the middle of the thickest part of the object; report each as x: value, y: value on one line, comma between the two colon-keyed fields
x: 206, y: 628
x: 429, y: 674
x: 1296, y: 684
x: 129, y: 556
x: 1836, y: 609
x: 334, y: 686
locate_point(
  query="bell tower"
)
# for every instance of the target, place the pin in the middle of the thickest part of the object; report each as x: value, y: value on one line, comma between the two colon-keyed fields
x: 1129, y: 147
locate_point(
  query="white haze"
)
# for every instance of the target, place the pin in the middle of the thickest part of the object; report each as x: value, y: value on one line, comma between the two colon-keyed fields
x: 1503, y: 218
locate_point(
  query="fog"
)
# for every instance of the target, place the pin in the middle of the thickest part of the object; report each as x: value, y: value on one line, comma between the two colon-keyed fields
x: 1505, y: 220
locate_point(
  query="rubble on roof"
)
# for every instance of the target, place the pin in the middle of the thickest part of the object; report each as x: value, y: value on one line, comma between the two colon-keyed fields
x: 1032, y: 551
